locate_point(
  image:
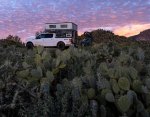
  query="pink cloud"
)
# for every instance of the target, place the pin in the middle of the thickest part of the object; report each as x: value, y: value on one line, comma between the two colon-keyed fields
x: 30, y: 15
x: 132, y: 29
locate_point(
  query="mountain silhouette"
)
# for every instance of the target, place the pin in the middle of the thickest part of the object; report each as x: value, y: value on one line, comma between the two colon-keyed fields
x: 144, y: 35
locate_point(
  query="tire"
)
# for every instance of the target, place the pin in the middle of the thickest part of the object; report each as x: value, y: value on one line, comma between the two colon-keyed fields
x: 29, y: 45
x: 61, y: 45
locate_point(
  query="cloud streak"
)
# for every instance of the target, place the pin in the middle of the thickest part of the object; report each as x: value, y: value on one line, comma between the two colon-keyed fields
x: 30, y: 15
x: 132, y: 29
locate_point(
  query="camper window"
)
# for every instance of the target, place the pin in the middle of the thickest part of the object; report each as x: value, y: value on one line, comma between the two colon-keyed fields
x: 60, y: 35
x: 52, y: 26
x: 63, y: 26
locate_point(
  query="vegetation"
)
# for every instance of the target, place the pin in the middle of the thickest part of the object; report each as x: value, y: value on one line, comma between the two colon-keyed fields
x: 11, y: 40
x: 101, y: 35
x: 109, y: 79
x: 104, y: 80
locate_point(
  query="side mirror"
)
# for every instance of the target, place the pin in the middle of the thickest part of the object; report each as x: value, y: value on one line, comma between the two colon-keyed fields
x: 38, y: 37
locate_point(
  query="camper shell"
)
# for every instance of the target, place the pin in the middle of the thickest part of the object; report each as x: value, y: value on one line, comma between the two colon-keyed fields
x: 63, y: 30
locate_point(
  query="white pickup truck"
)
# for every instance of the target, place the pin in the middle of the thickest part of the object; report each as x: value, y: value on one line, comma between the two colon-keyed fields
x: 58, y: 35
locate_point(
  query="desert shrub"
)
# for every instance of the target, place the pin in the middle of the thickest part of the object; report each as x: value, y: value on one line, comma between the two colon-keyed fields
x: 11, y: 40
x: 103, y: 80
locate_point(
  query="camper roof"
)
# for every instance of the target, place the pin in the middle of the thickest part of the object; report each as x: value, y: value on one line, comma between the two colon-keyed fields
x: 61, y: 23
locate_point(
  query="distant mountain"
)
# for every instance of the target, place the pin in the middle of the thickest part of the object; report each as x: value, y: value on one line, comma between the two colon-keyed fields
x: 144, y: 35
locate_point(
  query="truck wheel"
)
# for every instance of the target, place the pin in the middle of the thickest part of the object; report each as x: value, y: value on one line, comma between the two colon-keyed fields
x: 29, y: 45
x: 61, y: 45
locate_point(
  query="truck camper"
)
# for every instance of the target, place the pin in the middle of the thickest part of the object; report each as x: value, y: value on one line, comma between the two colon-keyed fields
x: 58, y: 35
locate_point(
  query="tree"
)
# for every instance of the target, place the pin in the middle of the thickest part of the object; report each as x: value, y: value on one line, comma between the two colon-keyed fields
x: 11, y: 40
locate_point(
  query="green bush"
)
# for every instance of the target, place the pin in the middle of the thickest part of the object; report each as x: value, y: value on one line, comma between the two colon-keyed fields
x: 11, y: 40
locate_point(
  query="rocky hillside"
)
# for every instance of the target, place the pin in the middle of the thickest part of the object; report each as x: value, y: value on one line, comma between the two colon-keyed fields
x: 145, y: 35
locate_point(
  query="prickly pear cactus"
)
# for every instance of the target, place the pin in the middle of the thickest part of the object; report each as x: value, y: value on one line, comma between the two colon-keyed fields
x: 77, y: 83
x: 38, y: 59
x: 104, y: 80
x: 91, y: 93
x: 25, y: 65
x: 104, y: 92
x: 119, y: 71
x: 133, y: 73
x: 50, y: 76
x: 137, y: 86
x: 114, y: 86
x: 110, y: 97
x: 124, y: 83
x: 103, y: 68
x: 111, y: 73
x: 123, y: 104
x: 23, y: 73
x: 124, y: 59
x: 36, y: 73
x: 132, y: 96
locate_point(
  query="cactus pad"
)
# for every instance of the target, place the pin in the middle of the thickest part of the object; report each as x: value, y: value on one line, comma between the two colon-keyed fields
x: 91, y: 93
x: 123, y: 104
x: 137, y: 86
x: 124, y: 83
x: 110, y: 97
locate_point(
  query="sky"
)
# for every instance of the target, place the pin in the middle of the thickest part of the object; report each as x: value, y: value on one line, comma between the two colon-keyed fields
x: 25, y: 17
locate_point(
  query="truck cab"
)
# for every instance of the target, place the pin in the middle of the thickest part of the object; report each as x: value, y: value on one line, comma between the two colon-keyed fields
x: 59, y: 35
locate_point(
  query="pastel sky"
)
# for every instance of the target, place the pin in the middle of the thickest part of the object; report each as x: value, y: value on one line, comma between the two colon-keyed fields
x: 25, y: 17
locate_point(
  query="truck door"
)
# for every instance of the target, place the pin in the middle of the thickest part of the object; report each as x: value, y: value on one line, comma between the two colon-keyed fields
x: 47, y: 40
x: 38, y: 40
